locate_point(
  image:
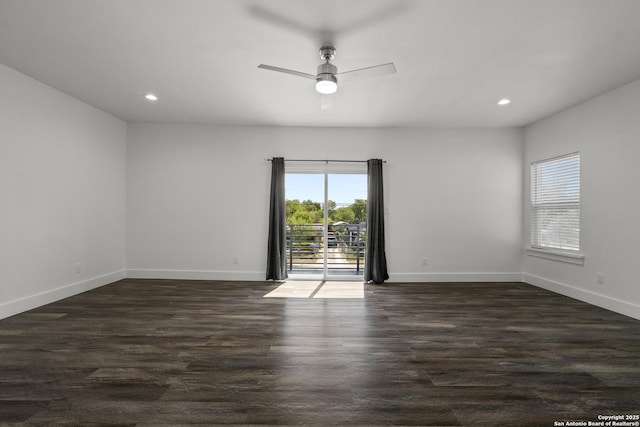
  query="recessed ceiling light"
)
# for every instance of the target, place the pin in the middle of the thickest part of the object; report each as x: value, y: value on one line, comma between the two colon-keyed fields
x: 504, y: 101
x: 151, y: 97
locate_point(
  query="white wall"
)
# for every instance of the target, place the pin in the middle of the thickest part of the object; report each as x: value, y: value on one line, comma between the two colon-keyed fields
x: 606, y: 131
x: 62, y: 195
x: 198, y: 195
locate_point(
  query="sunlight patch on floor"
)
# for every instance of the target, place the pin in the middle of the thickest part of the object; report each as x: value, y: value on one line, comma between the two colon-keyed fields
x: 318, y: 289
x: 297, y: 289
x: 341, y: 290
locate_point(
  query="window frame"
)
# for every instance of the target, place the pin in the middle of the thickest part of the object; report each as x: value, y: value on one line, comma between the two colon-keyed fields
x: 553, y: 199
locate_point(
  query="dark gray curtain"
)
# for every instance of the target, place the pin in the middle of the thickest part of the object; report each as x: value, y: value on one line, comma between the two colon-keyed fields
x: 375, y: 267
x: 277, y: 243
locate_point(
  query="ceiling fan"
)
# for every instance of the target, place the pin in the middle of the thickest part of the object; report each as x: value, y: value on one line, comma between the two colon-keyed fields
x: 326, y: 77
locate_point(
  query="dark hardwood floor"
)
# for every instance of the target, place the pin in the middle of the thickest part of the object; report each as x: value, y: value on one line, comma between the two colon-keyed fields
x: 152, y: 352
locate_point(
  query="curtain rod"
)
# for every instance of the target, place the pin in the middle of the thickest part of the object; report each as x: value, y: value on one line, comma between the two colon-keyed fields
x: 326, y: 161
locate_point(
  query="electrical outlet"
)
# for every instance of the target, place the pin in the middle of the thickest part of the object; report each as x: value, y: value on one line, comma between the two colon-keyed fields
x: 425, y: 262
x: 600, y: 278
x: 236, y: 259
x: 78, y: 268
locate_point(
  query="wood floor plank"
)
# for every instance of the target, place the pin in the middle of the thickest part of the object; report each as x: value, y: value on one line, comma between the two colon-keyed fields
x: 172, y: 352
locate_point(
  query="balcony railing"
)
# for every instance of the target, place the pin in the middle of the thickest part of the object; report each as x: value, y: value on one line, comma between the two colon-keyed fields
x: 345, y: 246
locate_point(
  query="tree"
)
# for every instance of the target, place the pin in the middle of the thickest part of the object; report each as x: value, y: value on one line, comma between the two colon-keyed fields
x: 345, y: 214
x: 291, y: 206
x: 310, y: 212
x: 359, y: 207
x: 299, y: 217
x: 332, y: 207
x: 310, y: 206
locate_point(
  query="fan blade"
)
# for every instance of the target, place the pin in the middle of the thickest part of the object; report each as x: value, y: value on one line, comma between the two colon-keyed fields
x: 287, y: 71
x: 282, y: 21
x: 374, y: 71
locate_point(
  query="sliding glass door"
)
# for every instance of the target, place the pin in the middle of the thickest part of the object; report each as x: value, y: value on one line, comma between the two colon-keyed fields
x: 305, y: 219
x: 346, y: 225
x: 326, y: 223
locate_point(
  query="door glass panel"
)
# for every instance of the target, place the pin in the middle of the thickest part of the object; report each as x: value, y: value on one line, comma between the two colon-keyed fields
x: 347, y: 195
x: 305, y: 224
x: 332, y: 248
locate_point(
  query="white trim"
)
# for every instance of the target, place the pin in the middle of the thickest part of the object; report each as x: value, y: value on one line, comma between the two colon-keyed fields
x: 252, y: 276
x: 259, y: 276
x: 33, y: 301
x: 622, y: 307
x: 30, y: 302
x: 561, y: 156
x: 455, y: 277
x: 555, y: 255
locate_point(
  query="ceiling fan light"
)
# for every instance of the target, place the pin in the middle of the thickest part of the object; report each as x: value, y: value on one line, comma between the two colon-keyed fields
x: 326, y: 84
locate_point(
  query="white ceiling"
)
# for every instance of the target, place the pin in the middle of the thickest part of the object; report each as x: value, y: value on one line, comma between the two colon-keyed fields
x: 455, y: 58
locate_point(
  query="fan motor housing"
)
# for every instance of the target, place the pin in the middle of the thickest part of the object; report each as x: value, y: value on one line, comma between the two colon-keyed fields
x: 327, y: 69
x: 326, y: 81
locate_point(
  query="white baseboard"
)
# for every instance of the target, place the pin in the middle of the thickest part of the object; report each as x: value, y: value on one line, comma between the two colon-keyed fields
x: 253, y: 276
x: 603, y: 301
x: 30, y: 302
x: 33, y: 301
x: 455, y: 277
x: 260, y: 276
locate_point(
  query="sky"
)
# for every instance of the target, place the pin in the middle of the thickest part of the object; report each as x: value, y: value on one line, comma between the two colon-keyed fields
x: 343, y: 188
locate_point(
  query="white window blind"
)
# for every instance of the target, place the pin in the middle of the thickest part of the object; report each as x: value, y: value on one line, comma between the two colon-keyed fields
x: 555, y: 203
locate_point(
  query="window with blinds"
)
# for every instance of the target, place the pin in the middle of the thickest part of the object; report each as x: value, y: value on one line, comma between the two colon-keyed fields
x: 555, y: 203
